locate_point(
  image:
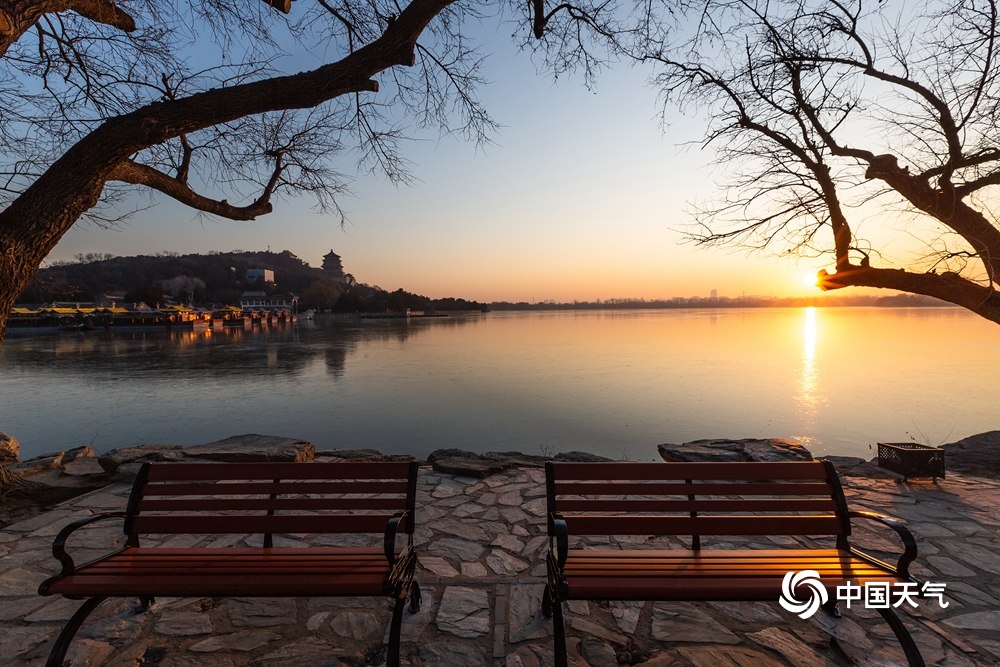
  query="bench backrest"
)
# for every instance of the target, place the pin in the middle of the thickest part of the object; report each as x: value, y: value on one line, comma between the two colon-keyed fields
x: 272, y: 497
x: 715, y: 498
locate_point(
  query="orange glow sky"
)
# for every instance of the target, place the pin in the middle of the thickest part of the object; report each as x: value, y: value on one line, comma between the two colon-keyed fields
x: 581, y: 198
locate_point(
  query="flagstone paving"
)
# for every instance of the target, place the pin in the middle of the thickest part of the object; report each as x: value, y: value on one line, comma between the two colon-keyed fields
x: 481, y: 545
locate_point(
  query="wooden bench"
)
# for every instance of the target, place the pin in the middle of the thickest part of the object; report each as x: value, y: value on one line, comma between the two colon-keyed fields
x: 254, y: 501
x: 696, y: 501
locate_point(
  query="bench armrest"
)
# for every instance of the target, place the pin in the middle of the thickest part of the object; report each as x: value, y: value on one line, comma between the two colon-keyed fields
x: 909, y: 542
x: 59, y: 544
x: 389, y: 541
x: 401, y: 573
x: 559, y: 539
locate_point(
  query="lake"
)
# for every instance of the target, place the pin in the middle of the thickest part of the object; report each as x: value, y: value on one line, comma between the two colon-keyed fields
x: 613, y: 382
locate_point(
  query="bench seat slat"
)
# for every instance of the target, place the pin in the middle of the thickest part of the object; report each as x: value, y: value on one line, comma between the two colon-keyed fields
x: 269, y: 487
x: 579, y: 561
x: 741, y: 470
x: 242, y: 524
x: 249, y: 504
x: 729, y: 505
x: 703, y: 525
x: 280, y: 470
x: 232, y: 571
x: 709, y: 575
x: 815, y: 488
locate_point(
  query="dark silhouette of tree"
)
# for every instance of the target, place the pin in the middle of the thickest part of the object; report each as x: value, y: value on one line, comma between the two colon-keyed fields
x: 322, y: 294
x: 189, y: 99
x: 839, y: 120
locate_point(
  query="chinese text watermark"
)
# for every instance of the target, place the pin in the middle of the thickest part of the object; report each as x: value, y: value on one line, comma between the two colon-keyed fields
x: 872, y: 594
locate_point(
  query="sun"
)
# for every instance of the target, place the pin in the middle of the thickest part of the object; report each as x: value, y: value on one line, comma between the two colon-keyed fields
x: 810, y: 279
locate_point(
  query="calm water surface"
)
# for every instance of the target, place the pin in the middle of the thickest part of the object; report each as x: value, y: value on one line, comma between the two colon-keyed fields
x: 610, y: 382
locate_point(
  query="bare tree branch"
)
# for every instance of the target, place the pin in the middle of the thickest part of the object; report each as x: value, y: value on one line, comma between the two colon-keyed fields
x: 819, y: 109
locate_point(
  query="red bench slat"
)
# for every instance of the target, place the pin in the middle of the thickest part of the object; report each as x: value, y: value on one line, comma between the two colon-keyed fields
x: 703, y: 525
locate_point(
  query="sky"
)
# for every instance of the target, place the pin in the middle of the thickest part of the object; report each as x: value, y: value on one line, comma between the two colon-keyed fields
x: 582, y: 196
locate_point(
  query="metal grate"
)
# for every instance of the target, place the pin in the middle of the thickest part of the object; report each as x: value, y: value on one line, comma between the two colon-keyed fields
x: 911, y: 460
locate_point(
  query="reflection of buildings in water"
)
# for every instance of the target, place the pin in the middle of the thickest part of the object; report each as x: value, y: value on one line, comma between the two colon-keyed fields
x: 72, y: 343
x: 348, y: 333
x: 336, y: 359
x: 188, y: 355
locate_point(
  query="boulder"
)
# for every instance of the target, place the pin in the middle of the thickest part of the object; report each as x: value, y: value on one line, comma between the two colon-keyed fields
x: 238, y: 448
x: 855, y: 466
x: 352, y: 454
x: 471, y: 464
x: 84, y: 466
x: 360, y: 455
x: 749, y: 449
x: 774, y: 449
x: 119, y: 457
x: 59, y: 460
x: 701, y: 450
x: 253, y: 447
x: 580, y: 457
x: 977, y: 455
x: 52, y: 486
x: 35, y: 465
x: 10, y: 448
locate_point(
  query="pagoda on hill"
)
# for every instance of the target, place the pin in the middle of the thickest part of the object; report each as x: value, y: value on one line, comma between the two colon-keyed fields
x: 333, y: 267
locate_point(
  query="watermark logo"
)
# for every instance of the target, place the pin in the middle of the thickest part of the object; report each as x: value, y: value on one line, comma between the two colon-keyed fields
x: 790, y: 585
x: 874, y: 595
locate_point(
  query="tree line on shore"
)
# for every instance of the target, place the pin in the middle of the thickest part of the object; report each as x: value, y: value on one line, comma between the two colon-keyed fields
x: 217, y: 278
x: 220, y: 278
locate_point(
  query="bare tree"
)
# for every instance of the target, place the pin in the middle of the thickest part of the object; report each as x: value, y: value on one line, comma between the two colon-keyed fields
x: 841, y: 122
x: 196, y: 100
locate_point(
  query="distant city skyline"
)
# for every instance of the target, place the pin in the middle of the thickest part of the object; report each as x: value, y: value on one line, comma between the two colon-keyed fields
x: 582, y: 197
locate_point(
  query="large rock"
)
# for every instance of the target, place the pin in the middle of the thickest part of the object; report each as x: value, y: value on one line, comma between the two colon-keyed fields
x: 60, y: 460
x: 855, y: 466
x: 354, y: 455
x: 10, y: 448
x: 253, y: 447
x: 749, y: 449
x: 119, y: 457
x: 471, y: 464
x: 580, y: 457
x: 977, y: 455
x: 53, y: 486
x: 238, y: 448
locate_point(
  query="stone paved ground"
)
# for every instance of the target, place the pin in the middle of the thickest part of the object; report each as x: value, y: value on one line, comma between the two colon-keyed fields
x: 481, y: 543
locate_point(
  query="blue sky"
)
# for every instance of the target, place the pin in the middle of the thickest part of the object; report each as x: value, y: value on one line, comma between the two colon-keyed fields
x: 582, y: 196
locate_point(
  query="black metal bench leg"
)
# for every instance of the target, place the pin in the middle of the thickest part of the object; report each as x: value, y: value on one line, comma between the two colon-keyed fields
x: 58, y: 652
x: 414, y: 597
x: 913, y: 656
x: 392, y: 650
x: 559, y: 632
x: 145, y: 604
x: 547, y: 602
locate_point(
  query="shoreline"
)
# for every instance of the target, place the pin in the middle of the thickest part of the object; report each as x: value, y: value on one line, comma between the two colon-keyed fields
x: 36, y: 485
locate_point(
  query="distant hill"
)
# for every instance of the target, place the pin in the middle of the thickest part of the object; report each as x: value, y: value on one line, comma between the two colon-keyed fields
x: 215, y: 278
